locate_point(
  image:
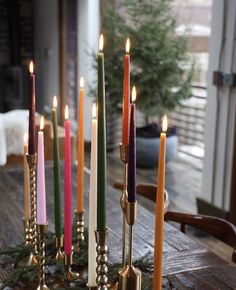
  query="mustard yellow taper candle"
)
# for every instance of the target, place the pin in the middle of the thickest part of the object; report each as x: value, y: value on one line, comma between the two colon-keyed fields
x: 159, y: 225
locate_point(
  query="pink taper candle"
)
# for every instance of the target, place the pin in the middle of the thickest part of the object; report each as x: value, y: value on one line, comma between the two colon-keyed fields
x: 67, y: 188
x: 41, y: 191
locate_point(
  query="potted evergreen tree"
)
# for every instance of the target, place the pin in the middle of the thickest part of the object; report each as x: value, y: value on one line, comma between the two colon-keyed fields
x: 158, y: 57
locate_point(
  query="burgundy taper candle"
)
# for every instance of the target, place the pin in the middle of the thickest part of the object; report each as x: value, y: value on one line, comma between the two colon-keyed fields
x: 32, y: 144
x: 132, y: 151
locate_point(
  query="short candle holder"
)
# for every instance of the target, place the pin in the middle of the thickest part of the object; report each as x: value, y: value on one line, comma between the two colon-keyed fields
x: 131, y: 277
x: 42, y: 229
x: 70, y: 275
x: 102, y: 259
x: 79, y: 230
x: 32, y: 160
x: 59, y: 244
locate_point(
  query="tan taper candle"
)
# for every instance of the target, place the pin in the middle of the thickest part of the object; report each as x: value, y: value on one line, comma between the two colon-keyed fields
x: 27, y: 209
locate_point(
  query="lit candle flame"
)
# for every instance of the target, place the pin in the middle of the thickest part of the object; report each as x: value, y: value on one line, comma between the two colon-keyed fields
x: 164, y: 124
x: 94, y: 111
x: 54, y: 102
x: 134, y: 94
x: 101, y: 42
x: 127, y: 46
x: 31, y: 67
x: 25, y: 137
x: 81, y: 82
x: 42, y: 123
x: 66, y: 113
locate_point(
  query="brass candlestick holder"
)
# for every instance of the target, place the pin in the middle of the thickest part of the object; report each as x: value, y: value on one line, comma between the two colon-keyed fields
x: 102, y: 259
x: 70, y: 275
x: 59, y: 244
x: 27, y: 232
x: 79, y: 230
x: 32, y: 160
x: 131, y: 277
x: 42, y: 229
x: 124, y: 150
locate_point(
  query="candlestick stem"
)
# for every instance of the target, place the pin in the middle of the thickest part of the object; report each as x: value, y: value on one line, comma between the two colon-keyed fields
x: 79, y: 230
x: 131, y: 277
x: 102, y: 259
x: 70, y: 275
x: 59, y: 244
x: 32, y: 160
x: 123, y: 199
x: 42, y: 229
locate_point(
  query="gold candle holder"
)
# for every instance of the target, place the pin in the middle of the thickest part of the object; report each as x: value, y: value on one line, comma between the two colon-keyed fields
x: 27, y: 232
x: 79, y: 230
x: 59, y: 244
x: 131, y: 277
x: 42, y: 229
x: 70, y: 275
x: 124, y: 150
x: 32, y: 160
x: 102, y: 259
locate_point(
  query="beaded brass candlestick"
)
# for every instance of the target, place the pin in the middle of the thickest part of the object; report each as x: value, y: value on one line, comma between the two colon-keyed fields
x: 27, y: 232
x: 70, y: 275
x: 42, y: 229
x: 79, y: 230
x: 131, y: 277
x: 59, y: 244
x: 32, y: 160
x: 123, y: 199
x: 102, y: 259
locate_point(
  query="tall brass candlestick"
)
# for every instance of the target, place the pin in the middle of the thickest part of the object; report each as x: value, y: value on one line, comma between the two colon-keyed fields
x: 32, y: 160
x: 42, y: 229
x: 131, y: 277
x: 123, y: 199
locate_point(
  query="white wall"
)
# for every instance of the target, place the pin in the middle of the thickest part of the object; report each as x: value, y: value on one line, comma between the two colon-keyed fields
x: 88, y: 34
x: 46, y: 51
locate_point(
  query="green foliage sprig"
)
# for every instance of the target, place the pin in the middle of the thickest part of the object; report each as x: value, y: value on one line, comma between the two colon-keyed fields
x: 158, y: 55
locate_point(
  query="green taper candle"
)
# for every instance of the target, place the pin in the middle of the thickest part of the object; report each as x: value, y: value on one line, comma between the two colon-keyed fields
x: 56, y: 160
x: 101, y: 158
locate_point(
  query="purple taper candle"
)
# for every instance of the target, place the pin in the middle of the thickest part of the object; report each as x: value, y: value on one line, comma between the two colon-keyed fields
x: 132, y: 151
x: 32, y: 144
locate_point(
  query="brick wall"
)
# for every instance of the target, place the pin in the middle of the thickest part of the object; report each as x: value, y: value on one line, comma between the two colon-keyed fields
x: 26, y: 30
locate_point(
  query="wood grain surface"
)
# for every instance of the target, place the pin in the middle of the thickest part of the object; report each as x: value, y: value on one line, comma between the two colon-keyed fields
x: 186, y: 265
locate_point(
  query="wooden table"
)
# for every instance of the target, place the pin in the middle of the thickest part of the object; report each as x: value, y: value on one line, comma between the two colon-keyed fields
x: 187, y: 265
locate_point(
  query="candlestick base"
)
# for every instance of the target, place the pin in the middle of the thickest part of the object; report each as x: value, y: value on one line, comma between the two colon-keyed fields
x: 79, y: 230
x: 59, y: 244
x: 102, y: 259
x: 130, y: 278
x: 42, y: 229
x: 70, y: 275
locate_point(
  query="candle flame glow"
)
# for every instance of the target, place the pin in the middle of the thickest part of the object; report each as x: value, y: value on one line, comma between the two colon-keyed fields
x: 25, y: 137
x: 42, y: 123
x: 31, y: 67
x: 101, y: 42
x: 81, y: 82
x: 66, y: 113
x: 127, y: 46
x: 134, y: 94
x: 54, y: 102
x: 94, y: 111
x: 164, y: 124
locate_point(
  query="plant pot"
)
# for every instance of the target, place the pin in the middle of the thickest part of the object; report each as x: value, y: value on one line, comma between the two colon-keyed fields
x: 147, y: 147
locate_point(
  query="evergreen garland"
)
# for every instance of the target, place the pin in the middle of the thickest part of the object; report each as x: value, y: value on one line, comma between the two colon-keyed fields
x: 55, y: 272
